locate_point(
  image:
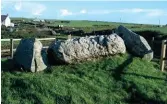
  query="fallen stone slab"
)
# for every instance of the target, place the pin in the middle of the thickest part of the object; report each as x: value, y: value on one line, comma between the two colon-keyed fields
x: 86, y: 48
x: 135, y: 43
x: 29, y: 55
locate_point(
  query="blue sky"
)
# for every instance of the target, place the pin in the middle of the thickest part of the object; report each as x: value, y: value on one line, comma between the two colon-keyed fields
x: 114, y: 11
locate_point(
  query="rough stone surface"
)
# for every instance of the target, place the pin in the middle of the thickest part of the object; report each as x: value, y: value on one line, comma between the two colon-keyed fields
x: 29, y: 55
x: 135, y: 43
x: 85, y: 48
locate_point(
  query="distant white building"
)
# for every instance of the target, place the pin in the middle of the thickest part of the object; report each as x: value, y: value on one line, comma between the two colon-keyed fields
x: 38, y: 20
x: 5, y: 20
x: 60, y: 25
x: 12, y: 24
x: 42, y: 20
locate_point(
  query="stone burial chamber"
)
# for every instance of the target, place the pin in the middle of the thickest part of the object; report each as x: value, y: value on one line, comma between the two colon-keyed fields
x: 30, y: 56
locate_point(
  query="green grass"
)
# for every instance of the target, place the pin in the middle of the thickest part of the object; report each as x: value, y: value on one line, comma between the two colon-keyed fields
x: 111, y: 80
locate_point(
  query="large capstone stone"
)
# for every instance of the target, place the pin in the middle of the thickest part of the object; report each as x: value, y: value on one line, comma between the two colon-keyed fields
x: 29, y: 55
x: 135, y: 43
x: 85, y: 48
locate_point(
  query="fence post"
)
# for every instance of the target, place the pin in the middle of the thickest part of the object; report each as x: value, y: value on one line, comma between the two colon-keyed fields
x: 11, y: 48
x: 163, y: 51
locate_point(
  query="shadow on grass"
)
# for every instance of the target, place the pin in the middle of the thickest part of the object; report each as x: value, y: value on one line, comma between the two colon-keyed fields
x: 7, y: 65
x: 119, y: 70
x: 136, y: 97
x: 59, y: 99
x: 145, y: 76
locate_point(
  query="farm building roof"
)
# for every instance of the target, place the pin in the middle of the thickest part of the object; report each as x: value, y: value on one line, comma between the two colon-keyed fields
x: 3, y: 17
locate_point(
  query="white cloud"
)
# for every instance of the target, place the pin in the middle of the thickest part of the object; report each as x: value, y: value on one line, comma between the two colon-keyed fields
x: 133, y: 10
x: 156, y: 13
x: 2, y: 7
x: 99, y: 12
x: 83, y: 11
x: 6, y: 4
x: 148, y: 12
x: 32, y: 8
x: 65, y: 12
x: 18, y: 6
x: 137, y: 10
x: 38, y: 9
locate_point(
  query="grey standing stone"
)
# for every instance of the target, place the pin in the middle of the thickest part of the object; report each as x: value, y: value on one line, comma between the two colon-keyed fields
x: 86, y: 48
x: 135, y: 43
x: 30, y: 56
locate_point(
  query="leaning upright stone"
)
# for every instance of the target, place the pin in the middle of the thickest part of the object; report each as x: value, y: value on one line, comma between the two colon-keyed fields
x: 29, y: 55
x: 135, y: 43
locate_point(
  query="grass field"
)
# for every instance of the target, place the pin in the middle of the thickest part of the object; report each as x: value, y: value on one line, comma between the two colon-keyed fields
x: 113, y: 80
x: 100, y: 25
x: 89, y: 26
